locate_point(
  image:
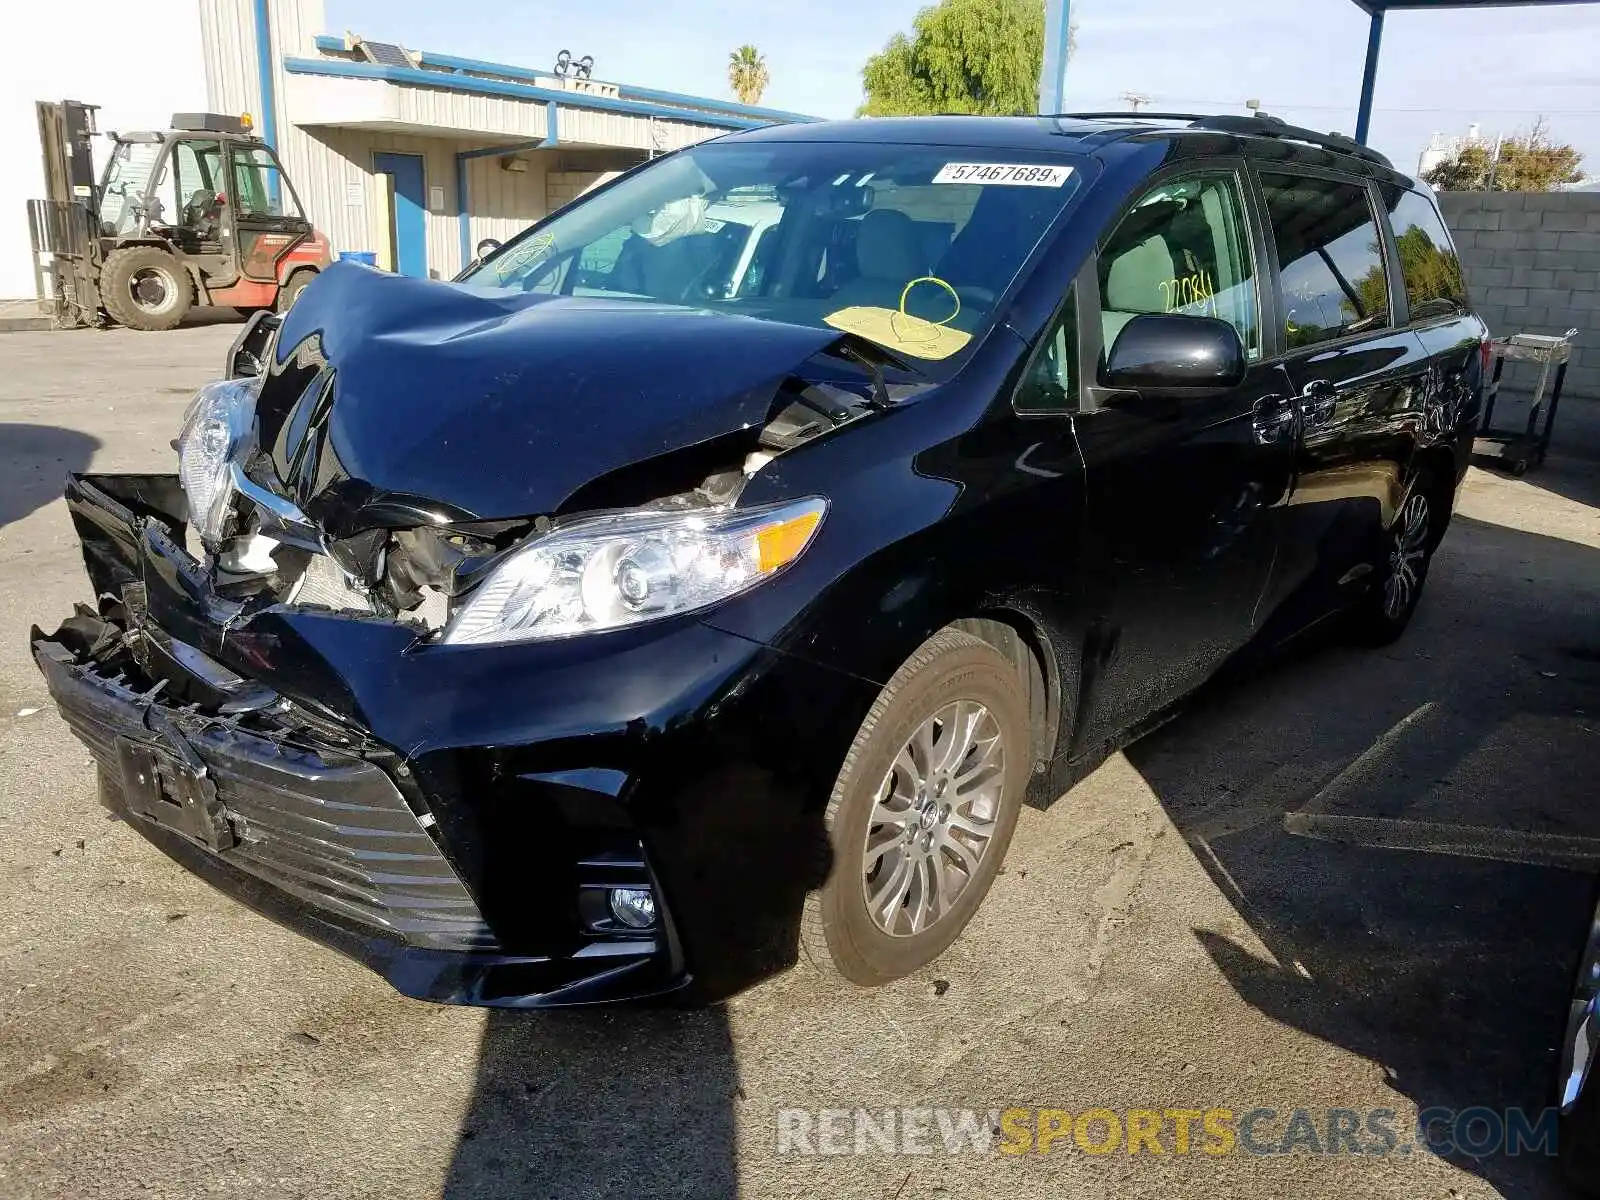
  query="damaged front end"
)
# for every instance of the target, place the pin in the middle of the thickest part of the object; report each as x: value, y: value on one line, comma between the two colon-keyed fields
x: 290, y: 806
x: 285, y: 686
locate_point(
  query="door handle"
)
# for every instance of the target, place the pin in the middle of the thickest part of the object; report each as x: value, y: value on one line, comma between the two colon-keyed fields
x: 1317, y: 401
x: 1274, y: 420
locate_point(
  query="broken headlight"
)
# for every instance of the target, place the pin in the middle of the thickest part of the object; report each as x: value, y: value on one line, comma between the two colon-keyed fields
x: 216, y: 422
x: 605, y: 572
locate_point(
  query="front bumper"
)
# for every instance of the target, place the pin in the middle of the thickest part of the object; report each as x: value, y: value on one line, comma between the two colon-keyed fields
x: 447, y: 815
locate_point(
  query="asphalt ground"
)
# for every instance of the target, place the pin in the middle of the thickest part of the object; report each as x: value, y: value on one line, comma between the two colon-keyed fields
x: 1348, y: 880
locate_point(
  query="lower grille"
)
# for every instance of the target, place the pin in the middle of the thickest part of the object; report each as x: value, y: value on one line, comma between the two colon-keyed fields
x: 321, y: 824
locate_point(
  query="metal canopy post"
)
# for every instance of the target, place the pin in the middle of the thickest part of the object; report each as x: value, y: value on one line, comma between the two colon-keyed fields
x: 1053, y: 71
x: 1369, y: 79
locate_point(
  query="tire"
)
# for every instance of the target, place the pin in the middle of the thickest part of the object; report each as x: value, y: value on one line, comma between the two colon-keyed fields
x: 291, y: 289
x: 954, y: 686
x: 1578, y: 1134
x: 1408, y: 545
x: 144, y: 287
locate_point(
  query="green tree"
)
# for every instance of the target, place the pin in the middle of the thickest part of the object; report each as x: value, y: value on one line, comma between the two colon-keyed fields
x: 1531, y: 162
x: 747, y: 74
x: 964, y: 56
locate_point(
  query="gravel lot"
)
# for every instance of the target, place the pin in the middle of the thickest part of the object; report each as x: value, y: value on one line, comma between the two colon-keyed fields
x: 1208, y: 921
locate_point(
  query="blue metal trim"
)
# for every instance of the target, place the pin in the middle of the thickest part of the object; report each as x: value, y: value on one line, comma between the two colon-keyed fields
x: 455, y: 62
x: 1053, y: 68
x: 463, y: 218
x: 1369, y: 78
x: 517, y: 91
x: 269, y: 104
x: 721, y: 106
x: 508, y: 148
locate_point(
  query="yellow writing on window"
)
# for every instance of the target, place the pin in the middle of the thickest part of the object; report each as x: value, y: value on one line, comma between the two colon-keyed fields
x: 1196, y: 291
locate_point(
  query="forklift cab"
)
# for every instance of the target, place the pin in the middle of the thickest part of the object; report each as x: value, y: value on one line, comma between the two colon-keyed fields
x: 217, y: 196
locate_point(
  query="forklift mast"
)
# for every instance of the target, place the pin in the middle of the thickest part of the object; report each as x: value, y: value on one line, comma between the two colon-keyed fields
x: 66, y: 138
x: 65, y: 225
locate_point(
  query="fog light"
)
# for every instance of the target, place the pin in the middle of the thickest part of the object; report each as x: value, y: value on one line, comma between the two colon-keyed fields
x: 634, y: 907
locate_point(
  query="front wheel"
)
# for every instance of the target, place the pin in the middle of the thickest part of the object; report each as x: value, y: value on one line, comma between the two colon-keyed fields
x: 144, y: 287
x: 1408, y: 551
x: 922, y: 811
x: 291, y: 289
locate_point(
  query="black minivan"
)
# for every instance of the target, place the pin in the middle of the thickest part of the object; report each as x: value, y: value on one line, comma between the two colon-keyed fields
x: 709, y: 574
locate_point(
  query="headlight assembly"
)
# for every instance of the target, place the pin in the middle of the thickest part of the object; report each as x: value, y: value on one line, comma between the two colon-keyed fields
x: 607, y: 572
x: 218, y: 420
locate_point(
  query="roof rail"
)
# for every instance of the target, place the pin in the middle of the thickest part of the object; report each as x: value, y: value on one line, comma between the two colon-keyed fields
x: 1260, y: 125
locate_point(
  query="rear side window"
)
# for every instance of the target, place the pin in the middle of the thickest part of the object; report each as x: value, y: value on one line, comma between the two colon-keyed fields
x: 1428, y: 261
x: 1183, y: 248
x: 1330, y: 258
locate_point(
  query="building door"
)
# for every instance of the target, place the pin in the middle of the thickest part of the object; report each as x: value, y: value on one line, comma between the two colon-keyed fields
x: 408, y: 232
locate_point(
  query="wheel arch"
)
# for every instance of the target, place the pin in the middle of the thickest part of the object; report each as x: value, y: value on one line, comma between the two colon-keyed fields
x: 1437, y: 464
x: 1023, y: 637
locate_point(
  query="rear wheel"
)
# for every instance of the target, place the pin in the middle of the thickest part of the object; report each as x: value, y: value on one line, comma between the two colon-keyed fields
x: 144, y: 287
x: 1408, y: 547
x: 922, y: 811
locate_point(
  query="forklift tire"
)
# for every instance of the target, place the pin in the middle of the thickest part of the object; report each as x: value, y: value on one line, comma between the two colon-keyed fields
x: 144, y: 287
x: 292, y: 287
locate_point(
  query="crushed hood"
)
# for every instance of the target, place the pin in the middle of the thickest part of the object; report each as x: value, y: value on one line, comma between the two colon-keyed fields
x: 387, y: 393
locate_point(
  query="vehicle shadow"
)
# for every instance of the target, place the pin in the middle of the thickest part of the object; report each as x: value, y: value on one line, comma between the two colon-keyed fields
x: 584, y: 1104
x: 34, y: 461
x: 1368, y: 812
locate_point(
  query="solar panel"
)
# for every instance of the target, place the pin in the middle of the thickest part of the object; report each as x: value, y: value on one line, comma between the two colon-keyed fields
x: 385, y: 54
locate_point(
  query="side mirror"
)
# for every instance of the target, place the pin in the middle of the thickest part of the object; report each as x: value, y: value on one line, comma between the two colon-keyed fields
x: 1163, y: 351
x: 485, y: 248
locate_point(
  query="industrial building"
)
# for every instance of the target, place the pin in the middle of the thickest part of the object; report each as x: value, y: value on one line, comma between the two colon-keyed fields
x: 415, y: 155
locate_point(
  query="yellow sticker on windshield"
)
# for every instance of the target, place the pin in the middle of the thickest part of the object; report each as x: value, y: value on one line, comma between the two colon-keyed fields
x: 900, y: 331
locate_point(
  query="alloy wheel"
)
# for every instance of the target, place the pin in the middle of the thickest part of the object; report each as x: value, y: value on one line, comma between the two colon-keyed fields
x: 933, y: 818
x: 1407, y: 558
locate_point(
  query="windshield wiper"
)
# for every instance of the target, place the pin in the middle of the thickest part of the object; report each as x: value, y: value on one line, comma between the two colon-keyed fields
x: 872, y: 358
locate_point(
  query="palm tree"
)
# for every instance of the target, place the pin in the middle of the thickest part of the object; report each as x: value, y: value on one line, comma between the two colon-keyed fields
x: 747, y: 74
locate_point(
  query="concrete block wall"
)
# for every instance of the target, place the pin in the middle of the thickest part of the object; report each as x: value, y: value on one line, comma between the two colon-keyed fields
x: 1532, y: 262
x: 563, y: 187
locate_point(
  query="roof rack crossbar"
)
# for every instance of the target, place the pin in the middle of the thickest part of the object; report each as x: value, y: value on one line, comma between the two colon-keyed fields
x: 1260, y: 125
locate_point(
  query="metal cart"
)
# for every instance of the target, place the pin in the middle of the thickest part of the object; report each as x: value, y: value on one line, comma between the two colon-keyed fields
x: 1518, y: 449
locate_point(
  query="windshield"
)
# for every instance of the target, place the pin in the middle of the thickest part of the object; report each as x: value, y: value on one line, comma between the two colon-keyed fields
x: 909, y: 246
x: 126, y: 184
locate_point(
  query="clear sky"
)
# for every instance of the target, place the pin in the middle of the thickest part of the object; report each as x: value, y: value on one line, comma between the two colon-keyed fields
x: 1301, y: 58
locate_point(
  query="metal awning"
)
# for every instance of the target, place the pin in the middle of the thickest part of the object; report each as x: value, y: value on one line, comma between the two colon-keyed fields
x: 1376, y: 10
x: 1052, y: 77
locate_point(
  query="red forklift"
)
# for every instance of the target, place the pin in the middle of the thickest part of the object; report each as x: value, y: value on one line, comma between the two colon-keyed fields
x: 198, y: 214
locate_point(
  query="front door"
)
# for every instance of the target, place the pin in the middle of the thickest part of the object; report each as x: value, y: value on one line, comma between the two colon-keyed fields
x: 1184, y: 493
x: 408, y: 234
x: 267, y: 218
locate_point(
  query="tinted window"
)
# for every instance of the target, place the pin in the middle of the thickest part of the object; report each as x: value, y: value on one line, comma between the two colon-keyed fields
x: 1428, y: 261
x: 1051, y: 382
x: 1183, y: 248
x: 1330, y: 258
